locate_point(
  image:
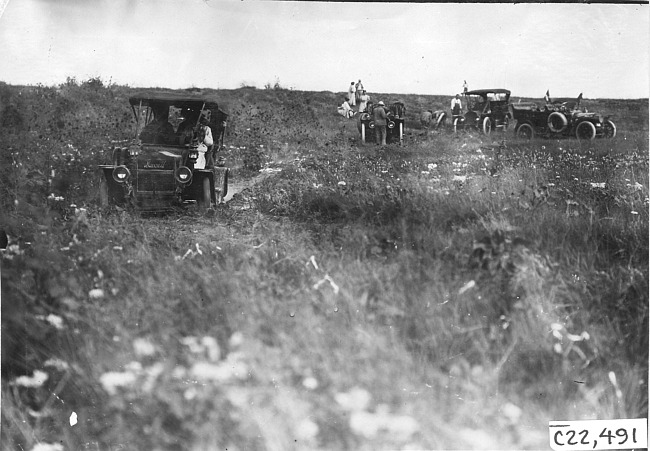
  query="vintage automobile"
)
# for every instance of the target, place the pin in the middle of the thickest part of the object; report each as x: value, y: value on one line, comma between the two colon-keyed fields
x: 394, y: 126
x: 560, y: 118
x: 487, y: 110
x: 166, y: 165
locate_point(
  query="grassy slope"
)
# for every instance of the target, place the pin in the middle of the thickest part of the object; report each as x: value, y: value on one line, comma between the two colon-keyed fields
x: 346, y: 316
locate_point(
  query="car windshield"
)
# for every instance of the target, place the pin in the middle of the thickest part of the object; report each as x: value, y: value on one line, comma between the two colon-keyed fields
x: 497, y: 96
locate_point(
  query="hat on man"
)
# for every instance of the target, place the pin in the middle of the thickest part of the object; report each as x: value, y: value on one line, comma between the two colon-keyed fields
x: 381, y: 102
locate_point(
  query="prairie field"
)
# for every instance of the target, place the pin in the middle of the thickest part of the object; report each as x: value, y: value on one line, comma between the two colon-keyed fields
x: 455, y: 292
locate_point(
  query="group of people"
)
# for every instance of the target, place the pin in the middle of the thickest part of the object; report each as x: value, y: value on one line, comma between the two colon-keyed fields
x: 429, y: 116
x: 357, y: 96
x: 193, y: 127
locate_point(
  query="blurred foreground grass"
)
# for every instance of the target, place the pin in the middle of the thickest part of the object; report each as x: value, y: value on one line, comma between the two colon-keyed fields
x: 458, y: 292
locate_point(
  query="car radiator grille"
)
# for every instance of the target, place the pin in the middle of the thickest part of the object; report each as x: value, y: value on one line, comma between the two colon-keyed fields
x: 158, y: 181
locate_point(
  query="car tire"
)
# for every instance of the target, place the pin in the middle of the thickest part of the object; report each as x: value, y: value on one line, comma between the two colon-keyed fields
x: 610, y: 129
x: 103, y: 192
x: 441, y: 120
x: 525, y: 131
x: 456, y: 125
x: 206, y: 195
x: 557, y: 122
x: 487, y: 126
x: 586, y: 130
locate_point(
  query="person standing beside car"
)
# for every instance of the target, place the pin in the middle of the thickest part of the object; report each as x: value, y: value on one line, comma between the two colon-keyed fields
x: 363, y: 101
x: 379, y: 117
x: 205, y: 142
x: 359, y: 91
x: 456, y: 106
x: 351, y: 91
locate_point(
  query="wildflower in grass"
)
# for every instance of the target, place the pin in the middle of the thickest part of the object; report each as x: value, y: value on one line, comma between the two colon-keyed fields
x: 355, y: 399
x: 35, y: 381
x: 113, y: 380
x: 307, y: 430
x: 47, y: 447
x: 96, y: 293
x: 597, y: 185
x: 310, y: 383
x: 634, y: 212
x: 54, y: 320
x: 206, y: 372
x: 211, y: 347
x: 143, y: 347
x: 511, y: 412
x: 57, y: 364
x: 236, y: 340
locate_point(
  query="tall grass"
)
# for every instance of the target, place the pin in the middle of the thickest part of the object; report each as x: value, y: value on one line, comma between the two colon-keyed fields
x: 355, y: 297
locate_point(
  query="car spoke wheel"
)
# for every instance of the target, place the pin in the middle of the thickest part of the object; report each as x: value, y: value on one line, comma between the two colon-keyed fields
x: 610, y: 129
x: 585, y: 130
x: 557, y: 122
x: 441, y: 120
x: 456, y: 125
x: 206, y: 196
x: 525, y: 131
x: 487, y: 126
x: 103, y: 192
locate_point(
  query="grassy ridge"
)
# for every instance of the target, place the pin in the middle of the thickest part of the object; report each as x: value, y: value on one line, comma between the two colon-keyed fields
x: 354, y: 297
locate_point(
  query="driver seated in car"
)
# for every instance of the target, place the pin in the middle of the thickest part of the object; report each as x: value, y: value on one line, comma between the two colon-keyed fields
x: 204, y: 142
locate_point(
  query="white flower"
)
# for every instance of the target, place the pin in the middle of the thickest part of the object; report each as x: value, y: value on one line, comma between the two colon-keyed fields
x: 58, y: 364
x: 597, y: 185
x: 212, y: 348
x: 143, y: 347
x: 511, y: 412
x: 307, y: 430
x: 342, y: 183
x: 34, y: 381
x: 310, y: 383
x: 96, y: 293
x: 73, y: 418
x: 113, y: 380
x: 459, y: 178
x: 355, y: 399
x: 55, y: 321
x: 47, y: 447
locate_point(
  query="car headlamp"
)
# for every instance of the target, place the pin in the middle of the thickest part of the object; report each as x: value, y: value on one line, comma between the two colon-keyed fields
x: 183, y: 175
x: 121, y: 174
x: 391, y: 124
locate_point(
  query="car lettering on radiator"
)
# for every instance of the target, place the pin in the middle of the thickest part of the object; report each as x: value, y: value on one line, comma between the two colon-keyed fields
x: 154, y: 165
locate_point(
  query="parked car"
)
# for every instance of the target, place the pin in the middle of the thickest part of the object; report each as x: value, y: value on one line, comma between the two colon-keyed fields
x: 394, y: 125
x: 487, y: 110
x: 561, y: 118
x: 166, y: 166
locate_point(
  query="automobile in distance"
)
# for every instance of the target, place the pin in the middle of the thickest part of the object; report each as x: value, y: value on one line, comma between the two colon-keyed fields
x: 165, y: 167
x: 486, y: 110
x: 394, y: 124
x: 560, y: 118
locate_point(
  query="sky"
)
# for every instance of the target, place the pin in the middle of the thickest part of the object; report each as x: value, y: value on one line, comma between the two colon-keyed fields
x: 600, y: 50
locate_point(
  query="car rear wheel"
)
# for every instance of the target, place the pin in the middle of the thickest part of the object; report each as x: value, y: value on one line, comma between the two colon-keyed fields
x: 456, y: 125
x: 557, y: 122
x: 525, y: 131
x: 610, y: 129
x: 586, y: 130
x: 441, y: 120
x: 206, y: 195
x: 487, y: 126
x: 103, y: 192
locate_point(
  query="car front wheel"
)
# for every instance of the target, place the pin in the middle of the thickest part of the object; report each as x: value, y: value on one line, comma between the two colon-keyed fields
x: 103, y: 192
x: 456, y: 125
x: 487, y: 126
x: 206, y: 195
x: 610, y: 129
x: 525, y: 131
x: 585, y: 130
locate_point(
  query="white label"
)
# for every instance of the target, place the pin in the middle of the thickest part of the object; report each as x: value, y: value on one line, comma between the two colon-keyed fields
x: 598, y: 434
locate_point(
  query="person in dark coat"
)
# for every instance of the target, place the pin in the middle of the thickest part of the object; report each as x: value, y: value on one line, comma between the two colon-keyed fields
x: 379, y: 117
